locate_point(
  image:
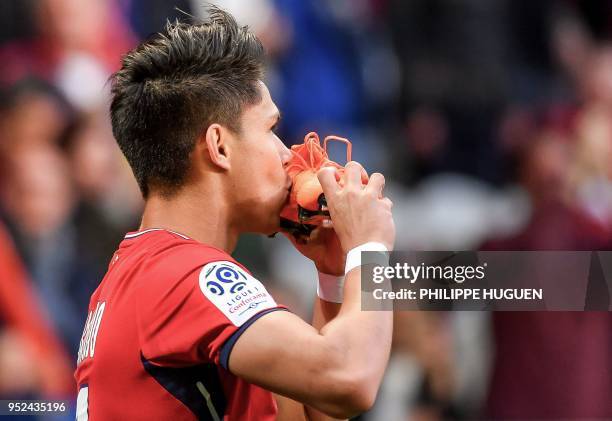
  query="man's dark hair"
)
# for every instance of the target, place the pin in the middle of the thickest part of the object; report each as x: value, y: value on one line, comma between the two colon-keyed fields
x: 172, y: 87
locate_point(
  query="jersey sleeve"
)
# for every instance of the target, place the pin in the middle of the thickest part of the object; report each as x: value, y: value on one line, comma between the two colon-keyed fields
x: 195, y: 307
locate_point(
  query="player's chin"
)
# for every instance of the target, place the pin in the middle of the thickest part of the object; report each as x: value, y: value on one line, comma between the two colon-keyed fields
x: 272, y: 225
x: 268, y: 227
x: 274, y: 222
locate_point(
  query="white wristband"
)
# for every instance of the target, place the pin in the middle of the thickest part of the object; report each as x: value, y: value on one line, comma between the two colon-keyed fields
x: 330, y: 287
x: 353, y: 257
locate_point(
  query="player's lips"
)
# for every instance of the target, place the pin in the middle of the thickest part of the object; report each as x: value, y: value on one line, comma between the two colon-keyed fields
x: 287, y: 190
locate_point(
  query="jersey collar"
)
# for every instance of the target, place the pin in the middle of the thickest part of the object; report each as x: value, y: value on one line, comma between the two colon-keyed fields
x: 135, y: 234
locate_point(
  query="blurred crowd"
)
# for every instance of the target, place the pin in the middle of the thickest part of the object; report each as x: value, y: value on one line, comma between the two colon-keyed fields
x: 492, y: 121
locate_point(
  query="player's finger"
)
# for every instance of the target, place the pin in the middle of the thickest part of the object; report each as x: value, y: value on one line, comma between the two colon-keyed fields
x: 314, y: 236
x: 327, y: 178
x: 388, y: 202
x: 338, y: 177
x: 376, y: 184
x: 364, y: 176
x: 352, y: 174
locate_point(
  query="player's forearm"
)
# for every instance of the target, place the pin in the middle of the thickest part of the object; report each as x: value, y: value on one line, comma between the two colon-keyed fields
x: 336, y: 369
x: 324, y: 312
x: 362, y: 339
x: 356, y: 358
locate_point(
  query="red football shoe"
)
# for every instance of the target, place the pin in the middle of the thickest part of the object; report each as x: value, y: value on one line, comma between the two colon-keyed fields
x: 307, y: 207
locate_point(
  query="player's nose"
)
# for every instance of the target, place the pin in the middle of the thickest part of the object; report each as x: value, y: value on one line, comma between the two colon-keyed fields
x: 284, y: 152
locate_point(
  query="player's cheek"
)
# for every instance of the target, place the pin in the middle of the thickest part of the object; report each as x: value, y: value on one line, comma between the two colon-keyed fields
x: 275, y: 172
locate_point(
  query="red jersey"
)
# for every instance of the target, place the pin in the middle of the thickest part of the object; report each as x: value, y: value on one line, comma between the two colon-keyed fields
x: 160, y: 330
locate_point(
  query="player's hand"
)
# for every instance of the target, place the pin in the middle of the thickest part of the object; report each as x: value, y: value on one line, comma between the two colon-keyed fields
x: 323, y: 248
x: 360, y: 212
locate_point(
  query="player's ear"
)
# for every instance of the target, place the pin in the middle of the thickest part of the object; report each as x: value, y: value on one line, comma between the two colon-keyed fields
x: 217, y: 145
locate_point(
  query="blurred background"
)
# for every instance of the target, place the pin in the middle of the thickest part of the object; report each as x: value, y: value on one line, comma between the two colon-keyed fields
x: 492, y: 121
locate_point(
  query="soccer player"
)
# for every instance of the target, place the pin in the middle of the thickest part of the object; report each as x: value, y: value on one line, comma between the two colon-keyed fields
x: 179, y: 330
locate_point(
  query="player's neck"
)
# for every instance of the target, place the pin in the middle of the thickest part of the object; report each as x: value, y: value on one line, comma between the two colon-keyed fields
x: 209, y: 224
